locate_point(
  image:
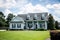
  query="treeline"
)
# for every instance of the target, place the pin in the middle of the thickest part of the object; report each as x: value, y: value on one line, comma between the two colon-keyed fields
x: 4, y: 22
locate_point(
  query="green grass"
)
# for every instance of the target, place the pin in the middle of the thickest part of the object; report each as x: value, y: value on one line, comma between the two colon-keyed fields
x: 24, y: 35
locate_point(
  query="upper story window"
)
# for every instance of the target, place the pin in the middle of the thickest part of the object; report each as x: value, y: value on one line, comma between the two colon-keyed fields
x: 28, y: 17
x: 35, y: 17
x: 42, y: 16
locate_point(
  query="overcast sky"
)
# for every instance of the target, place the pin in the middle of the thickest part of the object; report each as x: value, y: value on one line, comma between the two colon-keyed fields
x: 27, y: 6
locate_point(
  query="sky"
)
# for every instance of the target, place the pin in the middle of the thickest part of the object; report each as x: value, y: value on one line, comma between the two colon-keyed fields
x: 31, y: 6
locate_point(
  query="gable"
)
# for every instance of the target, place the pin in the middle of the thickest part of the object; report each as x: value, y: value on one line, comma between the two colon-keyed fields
x: 17, y: 19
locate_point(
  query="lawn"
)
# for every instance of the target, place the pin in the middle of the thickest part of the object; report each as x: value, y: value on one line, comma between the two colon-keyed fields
x: 24, y: 35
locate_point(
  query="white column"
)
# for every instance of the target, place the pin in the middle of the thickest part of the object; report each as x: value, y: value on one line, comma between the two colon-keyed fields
x: 45, y: 25
x: 16, y: 25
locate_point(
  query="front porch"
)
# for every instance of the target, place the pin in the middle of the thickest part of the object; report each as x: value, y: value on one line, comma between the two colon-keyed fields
x: 36, y: 24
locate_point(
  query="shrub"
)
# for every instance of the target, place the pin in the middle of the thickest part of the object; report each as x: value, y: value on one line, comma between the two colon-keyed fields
x: 40, y: 29
x: 55, y: 35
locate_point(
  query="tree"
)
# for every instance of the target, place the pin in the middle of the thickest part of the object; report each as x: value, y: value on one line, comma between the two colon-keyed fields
x: 1, y: 14
x: 9, y: 17
x: 2, y: 20
x: 50, y: 22
x: 56, y: 25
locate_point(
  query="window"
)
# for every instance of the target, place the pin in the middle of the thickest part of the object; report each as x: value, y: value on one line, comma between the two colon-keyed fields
x: 28, y: 17
x: 13, y: 25
x: 35, y: 17
x: 42, y: 16
x: 18, y: 25
x: 42, y: 25
x: 30, y: 24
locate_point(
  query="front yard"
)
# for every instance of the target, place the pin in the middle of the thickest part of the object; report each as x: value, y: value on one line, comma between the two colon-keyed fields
x: 24, y: 35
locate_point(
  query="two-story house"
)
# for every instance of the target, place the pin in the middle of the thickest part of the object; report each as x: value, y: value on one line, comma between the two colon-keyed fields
x: 29, y: 21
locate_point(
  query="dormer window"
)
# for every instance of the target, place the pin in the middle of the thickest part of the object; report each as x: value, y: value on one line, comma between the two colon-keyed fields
x: 28, y: 17
x: 42, y: 16
x: 35, y: 17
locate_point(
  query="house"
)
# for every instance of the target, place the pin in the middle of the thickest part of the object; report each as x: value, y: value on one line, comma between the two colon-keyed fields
x: 29, y: 21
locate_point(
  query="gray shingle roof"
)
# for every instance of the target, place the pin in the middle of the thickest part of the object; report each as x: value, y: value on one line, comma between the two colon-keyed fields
x: 24, y: 16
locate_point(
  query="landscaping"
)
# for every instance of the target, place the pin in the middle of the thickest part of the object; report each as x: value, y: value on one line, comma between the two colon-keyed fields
x: 24, y: 35
x: 55, y: 34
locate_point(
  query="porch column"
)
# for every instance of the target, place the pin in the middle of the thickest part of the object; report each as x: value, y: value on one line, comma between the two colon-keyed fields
x: 10, y: 26
x: 45, y: 25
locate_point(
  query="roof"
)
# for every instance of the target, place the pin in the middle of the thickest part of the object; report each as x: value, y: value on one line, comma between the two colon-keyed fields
x: 32, y: 15
x: 17, y: 19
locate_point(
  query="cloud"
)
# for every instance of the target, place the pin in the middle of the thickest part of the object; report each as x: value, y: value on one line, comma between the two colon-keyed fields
x: 29, y: 8
x: 54, y: 6
x: 56, y: 10
x: 41, y: 8
x: 56, y: 18
x: 7, y: 3
x: 7, y: 11
x: 11, y: 4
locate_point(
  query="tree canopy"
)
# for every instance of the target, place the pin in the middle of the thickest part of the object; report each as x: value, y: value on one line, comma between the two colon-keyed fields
x: 51, y: 22
x: 2, y: 20
x: 9, y: 17
x: 56, y: 25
